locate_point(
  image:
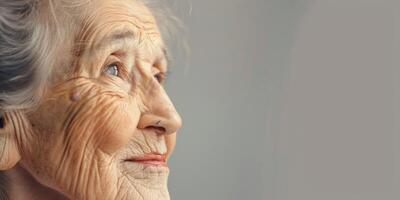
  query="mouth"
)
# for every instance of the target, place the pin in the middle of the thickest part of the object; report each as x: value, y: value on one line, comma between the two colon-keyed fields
x: 149, y: 159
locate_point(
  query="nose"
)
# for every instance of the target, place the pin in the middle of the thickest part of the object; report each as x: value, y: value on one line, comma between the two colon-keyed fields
x: 162, y: 124
x: 161, y: 116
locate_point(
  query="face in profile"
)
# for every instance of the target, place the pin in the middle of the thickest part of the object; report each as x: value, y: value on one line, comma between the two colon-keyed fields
x: 104, y: 126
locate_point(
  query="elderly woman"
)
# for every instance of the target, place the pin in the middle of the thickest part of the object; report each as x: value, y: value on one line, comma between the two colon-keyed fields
x: 83, y: 111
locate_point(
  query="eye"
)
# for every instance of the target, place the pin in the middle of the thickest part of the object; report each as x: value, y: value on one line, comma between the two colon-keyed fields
x: 160, y: 77
x: 112, y: 69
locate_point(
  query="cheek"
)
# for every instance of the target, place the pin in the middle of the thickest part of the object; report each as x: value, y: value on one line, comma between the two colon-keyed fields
x: 105, y: 120
x: 94, y: 118
x: 117, y: 125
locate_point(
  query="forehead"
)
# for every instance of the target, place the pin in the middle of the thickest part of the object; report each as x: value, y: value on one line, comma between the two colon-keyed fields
x: 108, y: 22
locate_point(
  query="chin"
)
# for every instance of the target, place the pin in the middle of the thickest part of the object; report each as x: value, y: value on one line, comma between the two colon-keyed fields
x: 144, y: 182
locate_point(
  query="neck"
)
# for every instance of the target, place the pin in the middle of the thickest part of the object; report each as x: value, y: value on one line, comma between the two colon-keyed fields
x: 21, y: 185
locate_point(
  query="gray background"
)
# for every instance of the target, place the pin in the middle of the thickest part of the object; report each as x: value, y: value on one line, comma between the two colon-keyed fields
x: 288, y: 100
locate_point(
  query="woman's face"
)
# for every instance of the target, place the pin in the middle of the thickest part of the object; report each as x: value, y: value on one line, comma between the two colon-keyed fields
x: 106, y: 125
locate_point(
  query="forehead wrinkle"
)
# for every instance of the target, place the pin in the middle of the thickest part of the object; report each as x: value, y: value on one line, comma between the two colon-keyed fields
x: 147, y: 43
x: 110, y: 33
x: 117, y: 36
x: 98, y: 25
x: 113, y: 27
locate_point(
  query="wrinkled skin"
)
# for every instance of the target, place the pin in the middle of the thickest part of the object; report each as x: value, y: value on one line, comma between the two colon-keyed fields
x: 91, y: 121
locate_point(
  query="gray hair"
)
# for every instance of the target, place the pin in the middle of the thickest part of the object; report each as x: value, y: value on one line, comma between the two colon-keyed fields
x: 27, y: 49
x: 16, y: 57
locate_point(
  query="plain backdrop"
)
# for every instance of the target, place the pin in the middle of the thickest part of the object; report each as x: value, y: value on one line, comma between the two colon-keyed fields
x: 288, y: 100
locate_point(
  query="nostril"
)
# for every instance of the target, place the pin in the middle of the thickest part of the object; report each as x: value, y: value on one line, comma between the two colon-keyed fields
x: 158, y: 129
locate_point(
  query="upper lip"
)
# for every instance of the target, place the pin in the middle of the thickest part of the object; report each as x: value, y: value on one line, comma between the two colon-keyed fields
x: 148, y: 157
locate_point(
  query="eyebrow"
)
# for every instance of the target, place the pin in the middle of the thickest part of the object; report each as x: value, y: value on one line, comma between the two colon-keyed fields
x: 123, y: 35
x: 117, y: 36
